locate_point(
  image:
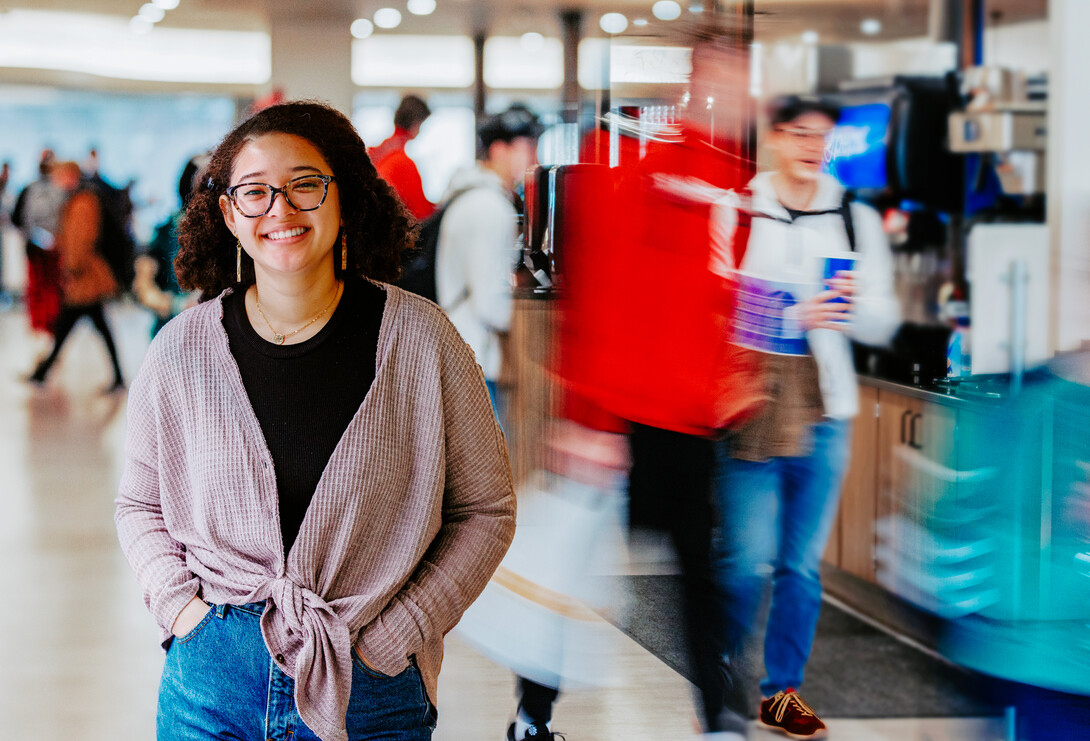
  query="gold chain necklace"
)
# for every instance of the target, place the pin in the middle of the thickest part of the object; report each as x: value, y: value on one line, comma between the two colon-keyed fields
x: 279, y: 338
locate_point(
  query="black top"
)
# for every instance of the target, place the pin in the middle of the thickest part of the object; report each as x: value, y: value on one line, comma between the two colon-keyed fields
x: 305, y: 395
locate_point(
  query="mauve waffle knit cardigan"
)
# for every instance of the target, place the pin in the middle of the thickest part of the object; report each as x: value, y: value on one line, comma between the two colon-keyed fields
x: 413, y: 512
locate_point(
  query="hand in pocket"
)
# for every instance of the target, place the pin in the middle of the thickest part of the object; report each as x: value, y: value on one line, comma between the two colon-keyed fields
x: 190, y: 616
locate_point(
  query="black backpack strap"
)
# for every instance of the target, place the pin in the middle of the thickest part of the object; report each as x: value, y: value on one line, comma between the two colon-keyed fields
x: 844, y: 211
x: 846, y: 215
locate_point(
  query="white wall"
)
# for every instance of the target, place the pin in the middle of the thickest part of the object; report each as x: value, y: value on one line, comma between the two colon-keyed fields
x: 1068, y: 163
x: 1022, y: 46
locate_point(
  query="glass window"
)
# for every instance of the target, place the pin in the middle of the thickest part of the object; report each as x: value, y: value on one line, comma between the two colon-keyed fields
x: 142, y: 139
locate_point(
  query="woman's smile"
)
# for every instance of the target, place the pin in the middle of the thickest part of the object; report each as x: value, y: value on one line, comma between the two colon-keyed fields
x: 285, y: 234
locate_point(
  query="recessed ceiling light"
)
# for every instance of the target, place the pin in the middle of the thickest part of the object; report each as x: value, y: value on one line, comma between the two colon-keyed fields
x: 696, y: 8
x: 421, y: 7
x: 362, y: 28
x: 641, y: 22
x: 871, y: 26
x: 810, y: 37
x: 532, y: 41
x: 165, y: 4
x: 666, y: 10
x: 387, y: 17
x: 613, y: 22
x: 152, y: 12
x: 141, y: 25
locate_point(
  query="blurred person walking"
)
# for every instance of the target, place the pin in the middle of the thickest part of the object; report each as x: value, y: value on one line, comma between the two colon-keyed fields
x: 37, y: 215
x: 476, y: 248
x: 778, y: 478
x: 315, y: 487
x: 395, y: 166
x: 155, y: 284
x: 86, y: 281
x: 119, y: 246
x: 649, y: 338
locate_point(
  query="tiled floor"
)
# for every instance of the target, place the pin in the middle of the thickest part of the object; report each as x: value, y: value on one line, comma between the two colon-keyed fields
x: 78, y: 653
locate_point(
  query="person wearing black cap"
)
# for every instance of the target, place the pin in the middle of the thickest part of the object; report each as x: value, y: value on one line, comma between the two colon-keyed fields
x: 778, y: 486
x: 476, y: 246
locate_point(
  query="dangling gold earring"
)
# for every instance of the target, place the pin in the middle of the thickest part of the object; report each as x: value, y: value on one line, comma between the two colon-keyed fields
x: 238, y: 264
x: 344, y: 252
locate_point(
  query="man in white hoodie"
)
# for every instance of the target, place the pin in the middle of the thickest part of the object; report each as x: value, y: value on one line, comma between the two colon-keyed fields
x: 476, y: 249
x: 778, y: 500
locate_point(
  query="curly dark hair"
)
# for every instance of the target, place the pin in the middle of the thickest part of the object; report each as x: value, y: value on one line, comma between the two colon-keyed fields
x: 378, y: 227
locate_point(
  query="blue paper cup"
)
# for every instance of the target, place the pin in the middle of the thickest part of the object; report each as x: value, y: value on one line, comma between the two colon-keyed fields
x: 837, y: 264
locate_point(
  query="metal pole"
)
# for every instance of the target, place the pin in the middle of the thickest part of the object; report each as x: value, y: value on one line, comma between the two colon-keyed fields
x: 1019, y: 278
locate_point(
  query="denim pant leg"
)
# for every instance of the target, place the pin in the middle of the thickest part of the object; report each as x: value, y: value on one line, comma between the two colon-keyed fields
x: 219, y: 682
x: 384, y: 708
x: 808, y: 502
x: 747, y: 497
x: 215, y: 680
x: 498, y: 407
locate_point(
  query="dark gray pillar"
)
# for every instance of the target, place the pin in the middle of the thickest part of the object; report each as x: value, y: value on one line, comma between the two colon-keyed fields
x: 480, y: 91
x: 571, y: 27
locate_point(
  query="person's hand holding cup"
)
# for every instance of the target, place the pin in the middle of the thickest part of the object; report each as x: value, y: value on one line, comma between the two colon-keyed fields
x: 831, y: 308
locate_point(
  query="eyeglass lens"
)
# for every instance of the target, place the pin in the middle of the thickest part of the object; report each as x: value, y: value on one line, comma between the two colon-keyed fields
x: 305, y: 194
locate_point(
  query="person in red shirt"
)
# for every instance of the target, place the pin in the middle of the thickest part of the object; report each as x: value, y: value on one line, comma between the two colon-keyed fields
x: 395, y: 166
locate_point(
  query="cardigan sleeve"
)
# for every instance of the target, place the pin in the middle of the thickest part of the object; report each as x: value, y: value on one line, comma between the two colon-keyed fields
x: 158, y: 560
x: 478, y: 520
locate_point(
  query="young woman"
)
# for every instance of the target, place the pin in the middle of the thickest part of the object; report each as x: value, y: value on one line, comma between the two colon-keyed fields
x: 315, y: 486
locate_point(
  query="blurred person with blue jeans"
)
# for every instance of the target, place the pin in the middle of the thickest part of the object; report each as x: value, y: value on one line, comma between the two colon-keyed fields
x: 475, y: 255
x: 778, y: 479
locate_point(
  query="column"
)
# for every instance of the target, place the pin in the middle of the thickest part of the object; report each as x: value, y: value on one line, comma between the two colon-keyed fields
x: 571, y: 27
x: 311, y: 54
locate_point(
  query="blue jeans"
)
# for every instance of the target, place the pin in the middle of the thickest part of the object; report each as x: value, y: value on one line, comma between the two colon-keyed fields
x: 778, y: 513
x: 495, y: 395
x: 219, y: 682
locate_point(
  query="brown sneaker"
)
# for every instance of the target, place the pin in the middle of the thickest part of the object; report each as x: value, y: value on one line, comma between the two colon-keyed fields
x: 786, y: 712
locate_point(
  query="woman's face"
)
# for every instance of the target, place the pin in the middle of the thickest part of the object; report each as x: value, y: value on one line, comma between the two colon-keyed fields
x: 285, y: 241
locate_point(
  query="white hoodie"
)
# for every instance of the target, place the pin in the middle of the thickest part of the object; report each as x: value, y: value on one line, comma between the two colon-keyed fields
x: 473, y: 262
x: 790, y: 251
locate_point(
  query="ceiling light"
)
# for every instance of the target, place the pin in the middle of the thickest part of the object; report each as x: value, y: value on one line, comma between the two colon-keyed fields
x: 140, y: 25
x: 641, y: 22
x: 387, y: 18
x: 165, y: 4
x: 810, y: 37
x: 666, y: 10
x: 152, y: 12
x: 532, y: 41
x: 871, y: 26
x: 362, y: 28
x: 421, y: 7
x: 613, y: 23
x: 696, y: 8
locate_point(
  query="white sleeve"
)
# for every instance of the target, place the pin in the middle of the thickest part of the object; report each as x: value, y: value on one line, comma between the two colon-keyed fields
x: 486, y: 223
x: 877, y: 313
